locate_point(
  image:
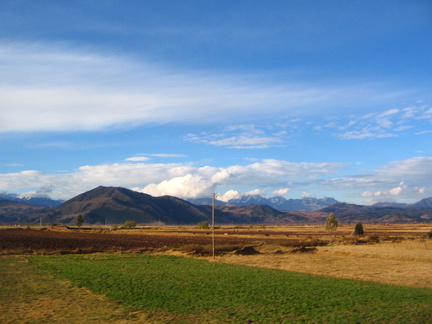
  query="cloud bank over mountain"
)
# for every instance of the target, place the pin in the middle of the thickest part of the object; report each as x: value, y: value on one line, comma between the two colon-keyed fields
x: 403, y: 179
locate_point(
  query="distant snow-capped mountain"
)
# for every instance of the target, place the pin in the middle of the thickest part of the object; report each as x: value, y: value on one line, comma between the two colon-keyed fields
x: 39, y: 201
x: 278, y: 202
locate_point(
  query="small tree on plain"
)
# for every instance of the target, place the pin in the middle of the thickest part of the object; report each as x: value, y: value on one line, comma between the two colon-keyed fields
x: 129, y: 224
x: 203, y: 225
x: 359, y: 229
x: 80, y: 220
x: 331, y: 223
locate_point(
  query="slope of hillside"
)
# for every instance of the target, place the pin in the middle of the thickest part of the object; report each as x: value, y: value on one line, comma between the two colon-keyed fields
x: 18, y: 212
x: 261, y: 214
x: 424, y: 203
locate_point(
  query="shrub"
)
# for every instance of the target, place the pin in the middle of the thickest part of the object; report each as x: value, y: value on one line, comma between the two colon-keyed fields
x: 429, y: 235
x: 331, y: 223
x: 129, y: 224
x: 203, y: 225
x: 207, y: 249
x: 359, y: 229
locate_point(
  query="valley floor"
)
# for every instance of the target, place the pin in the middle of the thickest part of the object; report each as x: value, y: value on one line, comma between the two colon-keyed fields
x: 402, y: 256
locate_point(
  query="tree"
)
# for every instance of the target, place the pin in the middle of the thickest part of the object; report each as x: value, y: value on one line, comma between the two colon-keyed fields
x: 331, y: 223
x: 80, y: 220
x: 359, y: 229
x: 203, y: 225
x: 129, y: 224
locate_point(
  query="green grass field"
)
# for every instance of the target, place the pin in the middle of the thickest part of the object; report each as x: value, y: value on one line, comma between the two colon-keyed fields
x: 225, y: 293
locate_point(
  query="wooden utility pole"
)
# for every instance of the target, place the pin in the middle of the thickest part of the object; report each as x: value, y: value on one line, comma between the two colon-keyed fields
x: 213, y: 225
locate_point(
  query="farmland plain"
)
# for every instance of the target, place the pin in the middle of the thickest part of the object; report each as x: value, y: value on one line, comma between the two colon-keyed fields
x: 399, y: 255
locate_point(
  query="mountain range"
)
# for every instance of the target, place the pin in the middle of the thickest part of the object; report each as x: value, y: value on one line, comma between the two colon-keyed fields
x: 279, y: 203
x: 115, y: 205
x: 40, y: 201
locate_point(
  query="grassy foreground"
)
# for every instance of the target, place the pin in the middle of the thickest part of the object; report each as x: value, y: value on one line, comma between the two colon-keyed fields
x: 224, y: 293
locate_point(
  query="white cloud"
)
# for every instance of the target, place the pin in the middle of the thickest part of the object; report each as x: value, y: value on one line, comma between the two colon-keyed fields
x: 368, y: 194
x: 42, y: 192
x: 178, y: 179
x: 187, y: 186
x: 230, y: 194
x: 389, y: 123
x: 396, y: 191
x: 137, y: 159
x: 258, y: 192
x: 421, y: 190
x: 281, y: 192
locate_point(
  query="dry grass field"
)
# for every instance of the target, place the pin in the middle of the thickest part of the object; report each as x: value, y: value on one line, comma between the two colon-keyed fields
x: 405, y: 263
x: 402, y: 254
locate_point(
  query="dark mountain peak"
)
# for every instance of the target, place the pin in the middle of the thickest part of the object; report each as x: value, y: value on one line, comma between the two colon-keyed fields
x: 344, y: 208
x: 102, y: 192
x: 424, y: 203
x: 116, y: 205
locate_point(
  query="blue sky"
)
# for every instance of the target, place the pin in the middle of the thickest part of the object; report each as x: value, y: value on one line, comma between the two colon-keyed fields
x: 187, y: 98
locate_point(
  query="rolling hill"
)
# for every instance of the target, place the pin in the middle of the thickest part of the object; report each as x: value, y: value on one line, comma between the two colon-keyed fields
x: 114, y: 205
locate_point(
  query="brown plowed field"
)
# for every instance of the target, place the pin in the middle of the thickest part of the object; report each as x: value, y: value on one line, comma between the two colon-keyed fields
x: 61, y: 239
x: 14, y: 241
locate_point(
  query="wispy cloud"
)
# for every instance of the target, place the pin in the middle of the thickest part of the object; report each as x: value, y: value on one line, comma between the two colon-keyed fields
x: 14, y: 165
x: 46, y: 87
x: 137, y: 159
x: 389, y: 123
x: 146, y: 157
x: 240, y: 137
